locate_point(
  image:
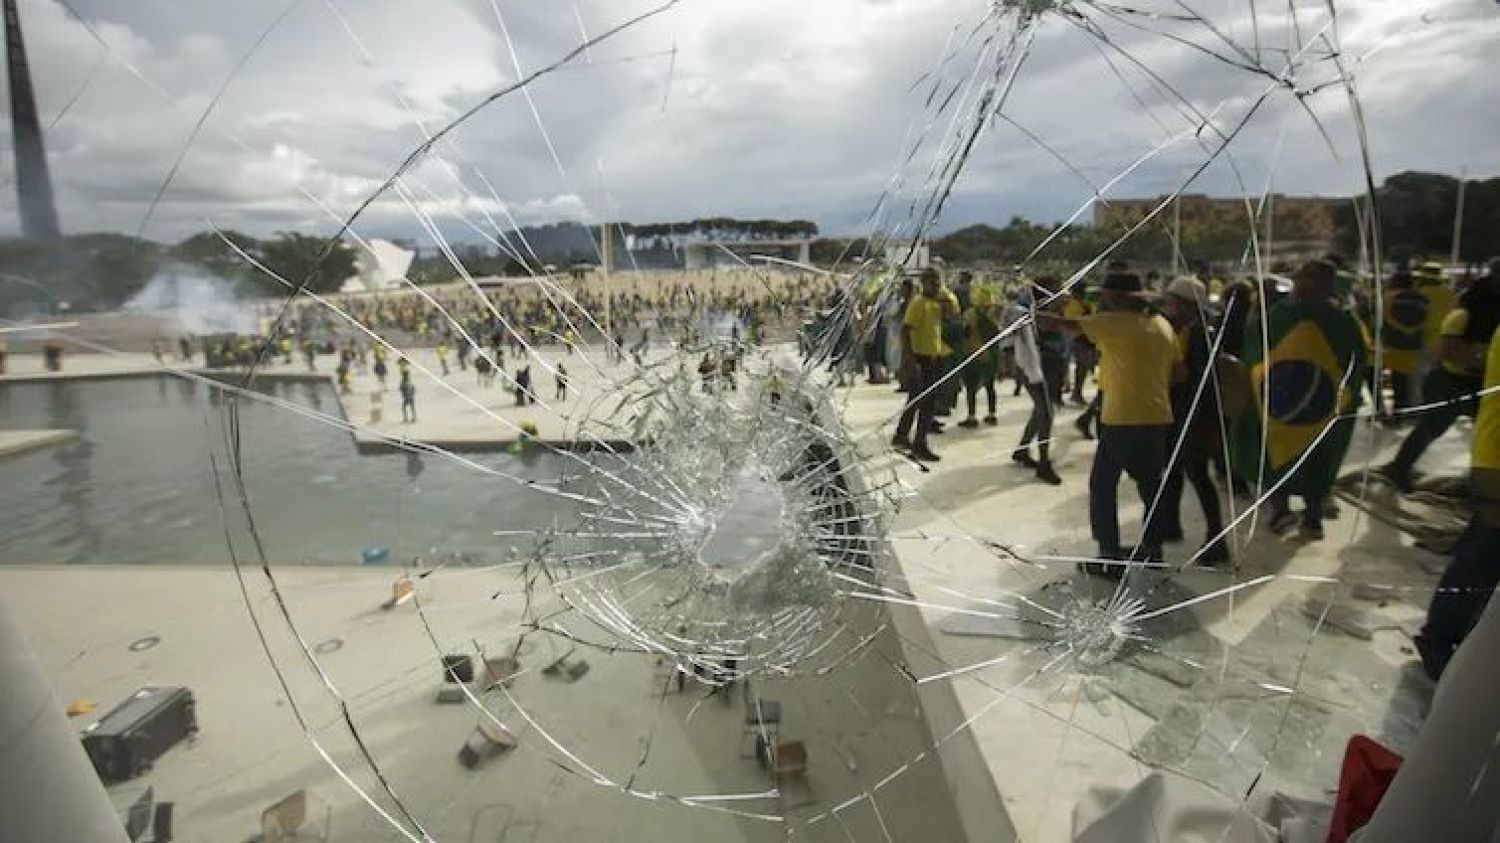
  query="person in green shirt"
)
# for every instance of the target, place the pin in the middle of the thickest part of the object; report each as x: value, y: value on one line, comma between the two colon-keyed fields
x: 982, y: 366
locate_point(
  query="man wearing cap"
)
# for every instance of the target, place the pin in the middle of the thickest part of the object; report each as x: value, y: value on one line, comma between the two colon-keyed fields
x: 1195, y: 432
x: 1138, y: 359
x: 922, y: 361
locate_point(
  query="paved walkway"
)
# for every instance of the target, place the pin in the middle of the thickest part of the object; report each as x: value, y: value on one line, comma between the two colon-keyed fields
x: 1047, y: 737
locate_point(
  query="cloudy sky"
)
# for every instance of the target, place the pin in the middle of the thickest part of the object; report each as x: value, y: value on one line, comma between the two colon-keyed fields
x: 772, y: 108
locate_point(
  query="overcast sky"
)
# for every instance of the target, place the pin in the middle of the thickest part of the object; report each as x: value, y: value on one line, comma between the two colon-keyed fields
x: 772, y: 108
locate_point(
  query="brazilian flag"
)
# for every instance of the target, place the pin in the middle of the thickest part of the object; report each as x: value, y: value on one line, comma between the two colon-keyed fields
x: 1314, y: 373
x: 1403, y: 330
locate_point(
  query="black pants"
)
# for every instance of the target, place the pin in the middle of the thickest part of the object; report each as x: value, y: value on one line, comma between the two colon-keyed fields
x: 1141, y: 452
x: 1462, y: 594
x: 1091, y: 412
x: 972, y: 385
x: 1192, y: 465
x: 1039, y: 425
x: 1312, y: 515
x: 1055, y: 371
x: 1401, y: 391
x: 1441, y: 385
x: 921, y: 401
x: 1083, y: 366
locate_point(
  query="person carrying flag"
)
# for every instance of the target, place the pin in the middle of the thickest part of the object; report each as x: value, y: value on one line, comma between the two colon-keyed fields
x: 1450, y: 387
x: 1304, y: 392
x: 980, y: 357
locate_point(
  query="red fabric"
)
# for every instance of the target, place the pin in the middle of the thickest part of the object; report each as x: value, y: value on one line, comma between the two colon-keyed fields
x: 1366, y: 775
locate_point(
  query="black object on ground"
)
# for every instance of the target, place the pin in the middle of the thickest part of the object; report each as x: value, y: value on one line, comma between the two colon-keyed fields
x: 125, y: 742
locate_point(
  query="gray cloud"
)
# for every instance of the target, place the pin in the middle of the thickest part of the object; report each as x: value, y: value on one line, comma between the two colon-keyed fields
x: 777, y: 108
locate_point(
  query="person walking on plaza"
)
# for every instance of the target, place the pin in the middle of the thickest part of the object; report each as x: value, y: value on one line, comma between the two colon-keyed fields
x: 1084, y: 355
x: 561, y: 376
x: 408, y: 398
x: 1416, y: 305
x: 1138, y: 359
x: 949, y: 382
x: 523, y: 387
x: 1306, y: 390
x: 442, y: 355
x: 1454, y: 382
x: 1196, y: 418
x: 982, y: 354
x: 923, y: 353
x: 1028, y: 360
x: 1465, y: 587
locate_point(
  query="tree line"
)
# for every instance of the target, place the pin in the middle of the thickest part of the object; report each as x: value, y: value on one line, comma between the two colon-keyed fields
x: 1416, y: 212
x: 104, y: 271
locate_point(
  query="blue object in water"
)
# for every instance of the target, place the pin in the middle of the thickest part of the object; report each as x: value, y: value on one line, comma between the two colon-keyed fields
x: 372, y: 555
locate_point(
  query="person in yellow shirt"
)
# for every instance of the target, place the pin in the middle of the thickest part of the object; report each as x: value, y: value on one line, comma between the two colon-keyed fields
x: 1465, y: 587
x: 1458, y: 375
x: 923, y: 353
x: 1138, y: 360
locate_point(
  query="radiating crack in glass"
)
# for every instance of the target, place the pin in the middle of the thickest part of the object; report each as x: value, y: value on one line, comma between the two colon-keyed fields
x: 746, y: 538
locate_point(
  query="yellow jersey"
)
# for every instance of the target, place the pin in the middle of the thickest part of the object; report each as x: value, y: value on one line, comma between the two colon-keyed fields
x: 1137, y: 353
x: 1485, y: 452
x: 924, y: 320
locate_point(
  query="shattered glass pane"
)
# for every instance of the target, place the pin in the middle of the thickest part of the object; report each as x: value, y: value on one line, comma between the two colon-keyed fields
x: 602, y: 550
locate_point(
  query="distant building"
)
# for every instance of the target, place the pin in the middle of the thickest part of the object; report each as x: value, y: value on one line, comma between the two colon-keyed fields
x: 1303, y: 222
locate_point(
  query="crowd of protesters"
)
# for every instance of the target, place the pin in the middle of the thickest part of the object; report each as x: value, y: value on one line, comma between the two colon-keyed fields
x: 1232, y: 388
x: 1242, y: 388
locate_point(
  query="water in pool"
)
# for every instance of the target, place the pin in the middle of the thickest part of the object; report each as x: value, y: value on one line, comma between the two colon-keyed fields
x: 138, y: 485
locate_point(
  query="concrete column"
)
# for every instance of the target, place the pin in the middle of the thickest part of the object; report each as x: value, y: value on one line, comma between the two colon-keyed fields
x: 48, y: 789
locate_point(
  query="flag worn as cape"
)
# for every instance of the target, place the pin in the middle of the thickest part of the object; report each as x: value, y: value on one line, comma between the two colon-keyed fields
x: 1314, y: 373
x: 1403, y: 329
x: 1413, y: 320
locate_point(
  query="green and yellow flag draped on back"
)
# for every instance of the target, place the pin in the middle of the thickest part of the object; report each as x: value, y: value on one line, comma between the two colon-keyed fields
x: 1314, y: 373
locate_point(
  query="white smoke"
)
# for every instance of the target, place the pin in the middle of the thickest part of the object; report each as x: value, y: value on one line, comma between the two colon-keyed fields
x: 194, y: 301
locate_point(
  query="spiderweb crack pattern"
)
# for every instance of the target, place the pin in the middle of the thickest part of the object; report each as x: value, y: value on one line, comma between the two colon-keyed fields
x: 756, y: 538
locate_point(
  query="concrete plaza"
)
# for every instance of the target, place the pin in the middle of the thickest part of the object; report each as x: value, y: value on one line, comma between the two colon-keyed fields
x: 1324, y: 623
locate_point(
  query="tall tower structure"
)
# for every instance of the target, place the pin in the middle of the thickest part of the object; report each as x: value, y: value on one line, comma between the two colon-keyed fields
x: 33, y: 183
